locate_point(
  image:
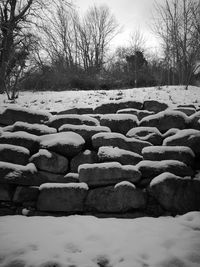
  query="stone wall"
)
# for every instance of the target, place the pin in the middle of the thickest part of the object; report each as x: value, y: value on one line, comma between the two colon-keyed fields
x: 122, y: 159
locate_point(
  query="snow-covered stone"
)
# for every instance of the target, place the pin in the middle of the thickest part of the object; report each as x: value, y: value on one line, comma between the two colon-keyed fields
x: 154, y: 105
x: 120, y: 123
x: 86, y: 156
x: 180, y: 153
x: 125, y: 157
x: 71, y: 177
x: 57, y: 197
x: 26, y: 194
x: 194, y: 121
x: 122, y: 197
x: 67, y: 144
x: 36, y: 129
x: 149, y: 134
x: 176, y: 194
x: 77, y: 110
x: 137, y: 112
x: 12, y: 114
x: 170, y: 132
x: 109, y: 173
x: 186, y: 110
x: 50, y: 161
x: 14, y: 154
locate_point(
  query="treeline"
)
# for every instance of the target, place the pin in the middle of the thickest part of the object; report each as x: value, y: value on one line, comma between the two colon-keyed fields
x: 47, y: 45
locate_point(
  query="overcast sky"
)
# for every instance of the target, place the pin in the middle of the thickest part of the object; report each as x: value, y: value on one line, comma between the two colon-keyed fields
x: 130, y: 14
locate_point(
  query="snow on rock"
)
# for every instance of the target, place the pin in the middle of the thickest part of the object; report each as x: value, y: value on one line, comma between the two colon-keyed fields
x: 176, y: 194
x: 120, y: 123
x: 120, y: 141
x: 166, y: 120
x: 137, y: 112
x: 187, y: 110
x: 67, y: 144
x: 149, y: 134
x: 14, y: 154
x: 68, y: 197
x: 50, y: 161
x: 154, y: 105
x: 58, y: 120
x: 193, y: 120
x: 180, y: 153
x: 125, y: 157
x: 13, y: 114
x: 187, y: 137
x: 36, y: 129
x: 122, y: 197
x: 77, y: 110
x: 86, y: 156
x: 89, y: 241
x: 100, y: 174
x: 170, y: 132
x: 23, y: 139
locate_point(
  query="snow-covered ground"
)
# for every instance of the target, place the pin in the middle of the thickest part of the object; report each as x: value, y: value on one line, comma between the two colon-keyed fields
x: 85, y: 241
x: 57, y: 101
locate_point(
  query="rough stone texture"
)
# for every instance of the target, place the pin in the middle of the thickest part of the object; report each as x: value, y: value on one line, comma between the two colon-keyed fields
x: 114, y: 106
x: 139, y: 113
x: 120, y: 123
x: 26, y: 194
x: 170, y: 132
x: 180, y: 153
x: 175, y: 193
x: 150, y: 169
x: 14, y: 154
x: 29, y: 141
x: 122, y: 197
x: 21, y: 175
x: 166, y: 120
x: 188, y: 137
x: 10, y: 115
x: 62, y: 197
x: 6, y: 192
x: 119, y: 140
x: 155, y: 106
x: 193, y: 121
x: 50, y: 161
x: 101, y: 174
x: 71, y: 177
x: 125, y: 157
x: 149, y: 134
x: 77, y: 110
x: 50, y: 177
x: 86, y: 156
x: 36, y: 129
x: 67, y: 144
x: 59, y: 120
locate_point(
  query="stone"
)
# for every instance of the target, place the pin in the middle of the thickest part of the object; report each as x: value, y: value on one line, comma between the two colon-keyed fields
x: 155, y: 106
x: 67, y: 144
x: 62, y: 197
x: 119, y: 123
x: 120, y: 141
x: 109, y: 173
x: 26, y: 194
x: 180, y: 153
x: 77, y: 110
x: 170, y: 132
x: 193, y: 121
x: 50, y: 161
x: 186, y: 110
x: 86, y: 156
x: 51, y: 177
x: 139, y: 113
x: 176, y: 194
x: 6, y: 192
x: 124, y: 157
x: 14, y: 154
x: 166, y: 120
x: 11, y: 115
x: 120, y: 198
x: 71, y: 177
x: 149, y: 134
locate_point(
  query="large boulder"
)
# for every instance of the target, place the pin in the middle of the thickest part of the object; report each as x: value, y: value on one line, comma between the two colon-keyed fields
x: 119, y: 140
x: 62, y: 197
x: 120, y: 123
x: 137, y: 112
x: 26, y: 194
x: 50, y: 161
x: 11, y: 115
x: 58, y: 120
x: 149, y: 134
x: 109, y: 173
x: 36, y: 129
x: 86, y: 156
x: 23, y: 139
x: 180, y: 153
x: 154, y: 105
x: 67, y: 144
x: 20, y: 175
x: 176, y: 194
x: 187, y: 137
x: 122, y: 197
x: 166, y: 120
x: 14, y: 154
x: 125, y: 157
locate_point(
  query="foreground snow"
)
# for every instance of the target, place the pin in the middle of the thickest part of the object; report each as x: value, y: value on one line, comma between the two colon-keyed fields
x: 88, y: 241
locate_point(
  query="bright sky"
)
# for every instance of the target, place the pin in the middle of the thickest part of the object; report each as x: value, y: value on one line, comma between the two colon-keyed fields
x: 131, y: 15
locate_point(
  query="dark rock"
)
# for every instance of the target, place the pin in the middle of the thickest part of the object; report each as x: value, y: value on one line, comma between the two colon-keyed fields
x: 14, y: 154
x: 25, y: 193
x: 86, y: 156
x: 155, y: 106
x: 6, y: 192
x: 149, y: 134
